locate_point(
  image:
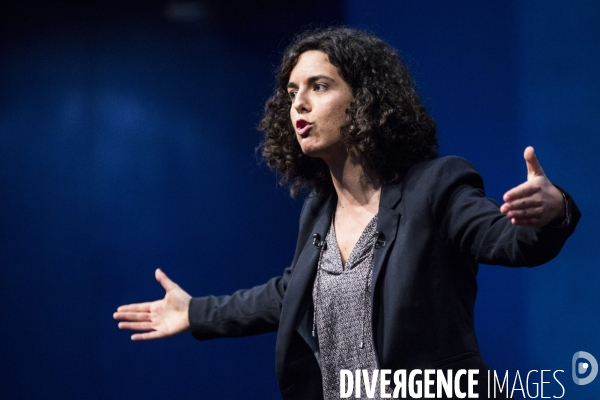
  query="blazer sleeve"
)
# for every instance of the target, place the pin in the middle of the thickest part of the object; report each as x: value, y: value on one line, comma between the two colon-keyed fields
x: 473, y: 223
x: 245, y: 312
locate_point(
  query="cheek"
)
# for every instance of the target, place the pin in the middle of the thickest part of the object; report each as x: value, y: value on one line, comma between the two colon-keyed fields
x: 338, y: 113
x: 293, y: 115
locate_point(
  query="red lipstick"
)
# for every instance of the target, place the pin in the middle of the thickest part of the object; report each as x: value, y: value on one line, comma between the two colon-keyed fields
x: 302, y: 127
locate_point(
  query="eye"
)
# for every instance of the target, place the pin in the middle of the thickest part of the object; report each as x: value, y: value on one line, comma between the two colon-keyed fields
x: 320, y: 87
x: 292, y: 94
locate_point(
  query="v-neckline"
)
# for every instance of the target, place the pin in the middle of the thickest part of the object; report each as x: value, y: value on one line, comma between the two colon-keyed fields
x: 352, y: 255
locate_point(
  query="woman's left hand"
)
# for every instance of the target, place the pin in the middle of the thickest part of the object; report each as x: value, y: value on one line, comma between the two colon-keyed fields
x: 536, y: 202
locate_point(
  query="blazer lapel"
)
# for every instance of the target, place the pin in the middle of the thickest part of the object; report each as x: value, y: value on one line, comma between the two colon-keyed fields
x: 387, y: 224
x: 298, y: 296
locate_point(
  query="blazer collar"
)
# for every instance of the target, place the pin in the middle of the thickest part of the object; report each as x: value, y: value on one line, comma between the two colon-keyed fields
x: 390, y: 195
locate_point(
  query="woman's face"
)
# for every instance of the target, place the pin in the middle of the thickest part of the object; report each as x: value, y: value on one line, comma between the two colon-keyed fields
x: 320, y: 98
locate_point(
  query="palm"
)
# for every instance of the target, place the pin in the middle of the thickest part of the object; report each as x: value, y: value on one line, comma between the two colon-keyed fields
x: 160, y: 318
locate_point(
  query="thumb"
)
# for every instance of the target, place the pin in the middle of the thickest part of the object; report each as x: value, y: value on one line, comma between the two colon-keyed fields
x: 533, y: 166
x: 164, y: 280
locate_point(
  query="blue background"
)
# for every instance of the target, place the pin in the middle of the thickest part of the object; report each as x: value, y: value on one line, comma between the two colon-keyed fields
x: 127, y: 143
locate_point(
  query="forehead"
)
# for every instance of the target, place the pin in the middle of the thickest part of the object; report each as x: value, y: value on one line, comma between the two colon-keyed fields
x: 312, y: 63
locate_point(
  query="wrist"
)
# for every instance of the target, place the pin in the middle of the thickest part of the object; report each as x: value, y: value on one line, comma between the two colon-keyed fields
x: 563, y: 217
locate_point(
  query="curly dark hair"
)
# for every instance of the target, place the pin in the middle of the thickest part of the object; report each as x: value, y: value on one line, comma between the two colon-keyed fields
x: 387, y: 129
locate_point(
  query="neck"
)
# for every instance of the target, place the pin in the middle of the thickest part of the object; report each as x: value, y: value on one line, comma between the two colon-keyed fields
x: 355, y: 186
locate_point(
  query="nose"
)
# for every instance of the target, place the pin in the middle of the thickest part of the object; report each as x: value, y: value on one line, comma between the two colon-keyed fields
x: 301, y: 102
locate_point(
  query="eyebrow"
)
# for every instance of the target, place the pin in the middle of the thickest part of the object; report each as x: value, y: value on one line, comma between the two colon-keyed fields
x: 312, y: 80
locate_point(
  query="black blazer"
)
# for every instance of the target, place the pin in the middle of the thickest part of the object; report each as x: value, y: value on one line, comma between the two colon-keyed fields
x: 437, y: 226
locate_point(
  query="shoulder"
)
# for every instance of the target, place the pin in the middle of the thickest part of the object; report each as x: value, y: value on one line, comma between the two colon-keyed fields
x: 441, y: 173
x: 430, y: 180
x: 449, y: 165
x: 432, y: 183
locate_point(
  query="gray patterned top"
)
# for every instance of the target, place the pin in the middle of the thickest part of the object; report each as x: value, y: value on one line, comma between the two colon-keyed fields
x: 342, y: 298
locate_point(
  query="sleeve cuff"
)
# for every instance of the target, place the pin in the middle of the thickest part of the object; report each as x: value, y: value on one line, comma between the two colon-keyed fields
x: 568, y: 212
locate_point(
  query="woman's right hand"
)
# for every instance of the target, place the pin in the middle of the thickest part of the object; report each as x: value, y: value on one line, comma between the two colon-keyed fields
x: 158, y: 319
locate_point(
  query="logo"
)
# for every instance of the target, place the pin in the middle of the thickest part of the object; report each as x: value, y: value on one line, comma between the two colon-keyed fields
x: 582, y: 361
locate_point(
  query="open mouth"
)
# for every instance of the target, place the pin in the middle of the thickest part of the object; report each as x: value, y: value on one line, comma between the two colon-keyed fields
x: 302, y: 127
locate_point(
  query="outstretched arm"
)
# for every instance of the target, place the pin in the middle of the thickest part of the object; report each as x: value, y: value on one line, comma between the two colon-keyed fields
x: 536, y: 202
x: 472, y: 223
x: 158, y: 319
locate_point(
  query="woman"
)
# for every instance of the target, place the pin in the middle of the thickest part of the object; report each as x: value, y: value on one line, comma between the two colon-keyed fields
x: 384, y: 274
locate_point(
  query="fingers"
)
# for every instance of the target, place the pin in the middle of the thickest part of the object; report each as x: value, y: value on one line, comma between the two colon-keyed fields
x: 526, y: 222
x: 136, y: 326
x: 148, y: 335
x: 137, y: 307
x: 531, y: 203
x: 164, y: 280
x: 143, y: 324
x: 160, y: 318
x: 533, y: 166
x: 524, y: 210
x: 523, y: 190
x: 131, y: 316
x: 526, y: 213
x: 524, y: 204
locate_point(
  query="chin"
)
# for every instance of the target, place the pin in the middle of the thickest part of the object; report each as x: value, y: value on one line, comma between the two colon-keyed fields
x: 310, y: 152
x: 307, y: 149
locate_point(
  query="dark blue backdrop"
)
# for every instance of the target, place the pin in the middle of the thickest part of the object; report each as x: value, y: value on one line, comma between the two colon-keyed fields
x: 127, y: 137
